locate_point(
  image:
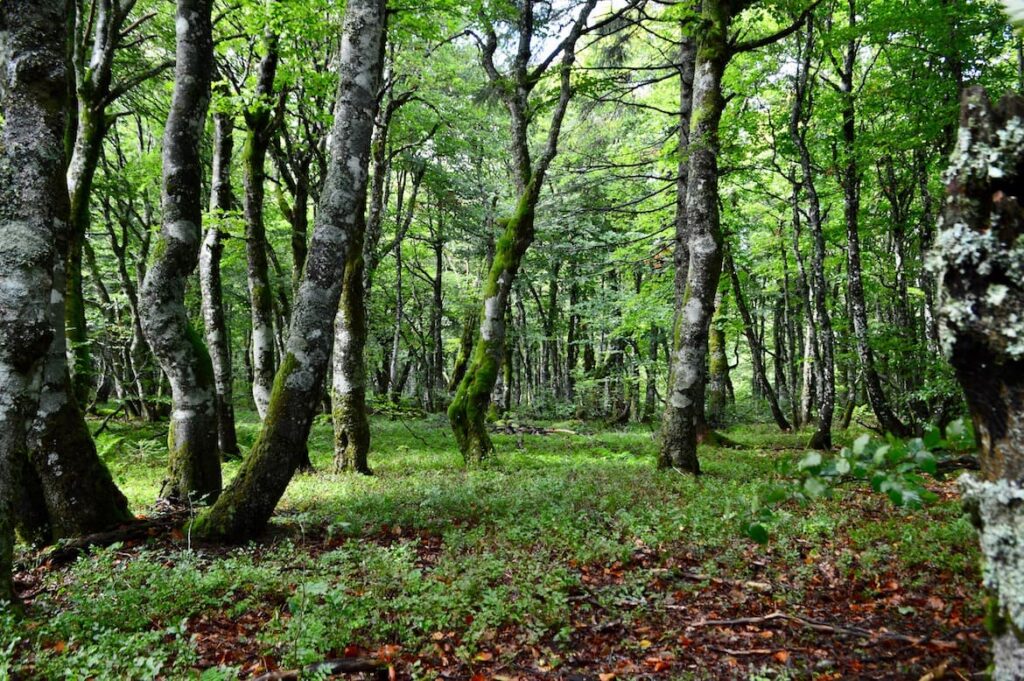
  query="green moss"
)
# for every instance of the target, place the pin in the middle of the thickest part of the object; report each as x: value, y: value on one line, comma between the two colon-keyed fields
x: 204, y: 363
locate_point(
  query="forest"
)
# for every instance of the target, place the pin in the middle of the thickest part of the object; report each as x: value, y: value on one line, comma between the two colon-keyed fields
x: 512, y: 339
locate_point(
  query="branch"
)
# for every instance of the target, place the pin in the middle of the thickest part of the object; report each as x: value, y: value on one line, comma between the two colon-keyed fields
x: 777, y: 36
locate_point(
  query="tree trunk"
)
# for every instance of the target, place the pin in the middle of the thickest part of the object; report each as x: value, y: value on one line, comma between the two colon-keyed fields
x: 468, y: 410
x: 348, y: 394
x: 259, y: 121
x: 760, y: 375
x: 244, y: 508
x: 850, y: 180
x: 978, y: 254
x: 821, y: 322
x: 718, y: 366
x: 194, y: 470
x: 684, y: 422
x: 33, y: 201
x: 221, y: 203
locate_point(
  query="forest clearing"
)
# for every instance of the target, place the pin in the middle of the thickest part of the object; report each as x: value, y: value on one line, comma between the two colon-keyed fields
x: 512, y: 339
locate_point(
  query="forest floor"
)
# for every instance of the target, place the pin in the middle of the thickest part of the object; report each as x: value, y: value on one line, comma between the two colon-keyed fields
x: 566, y: 557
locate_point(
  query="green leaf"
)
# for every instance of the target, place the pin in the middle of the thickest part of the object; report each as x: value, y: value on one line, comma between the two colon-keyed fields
x: 861, y: 443
x: 757, y: 532
x: 843, y: 466
x: 812, y: 460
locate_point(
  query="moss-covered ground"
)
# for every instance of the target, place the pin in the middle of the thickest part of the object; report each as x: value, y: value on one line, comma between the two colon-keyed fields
x: 566, y: 556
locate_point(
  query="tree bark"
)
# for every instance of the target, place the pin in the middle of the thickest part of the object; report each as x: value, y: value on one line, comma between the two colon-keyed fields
x: 194, y: 461
x: 684, y: 423
x: 348, y: 393
x: 221, y: 204
x: 718, y: 365
x: 259, y: 121
x: 33, y: 201
x: 821, y: 321
x: 468, y: 410
x: 244, y: 508
x: 850, y: 180
x: 760, y: 375
x: 979, y: 255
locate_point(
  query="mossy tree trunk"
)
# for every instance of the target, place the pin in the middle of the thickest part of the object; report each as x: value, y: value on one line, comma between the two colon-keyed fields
x: 221, y: 203
x: 718, y: 365
x: 979, y: 253
x: 348, y: 390
x: 244, y: 508
x: 683, y: 424
x: 194, y: 458
x: 468, y: 410
x: 33, y: 200
x: 260, y: 120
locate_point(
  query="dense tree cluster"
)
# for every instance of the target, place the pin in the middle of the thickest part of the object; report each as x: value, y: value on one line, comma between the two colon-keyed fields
x: 689, y: 212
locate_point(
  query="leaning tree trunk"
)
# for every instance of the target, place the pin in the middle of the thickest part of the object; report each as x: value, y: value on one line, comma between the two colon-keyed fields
x: 244, y: 508
x: 979, y: 253
x: 221, y: 203
x: 194, y: 460
x: 33, y: 200
x: 468, y: 409
x: 259, y: 122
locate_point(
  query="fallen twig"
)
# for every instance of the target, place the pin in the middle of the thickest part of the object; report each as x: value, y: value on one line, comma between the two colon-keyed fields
x: 812, y: 624
x: 355, y: 665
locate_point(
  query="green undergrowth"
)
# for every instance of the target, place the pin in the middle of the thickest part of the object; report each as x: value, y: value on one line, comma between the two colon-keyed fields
x: 427, y: 549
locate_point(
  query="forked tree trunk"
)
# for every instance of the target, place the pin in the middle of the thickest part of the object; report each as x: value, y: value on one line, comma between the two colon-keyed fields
x: 221, y: 204
x: 979, y: 253
x: 194, y: 459
x: 244, y: 508
x: 33, y: 199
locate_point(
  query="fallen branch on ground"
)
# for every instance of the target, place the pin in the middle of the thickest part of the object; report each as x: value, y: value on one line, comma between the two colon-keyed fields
x: 133, y: 531
x: 815, y: 625
x: 382, y: 671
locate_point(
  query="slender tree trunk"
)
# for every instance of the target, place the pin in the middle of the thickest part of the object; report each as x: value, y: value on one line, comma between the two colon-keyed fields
x: 760, y: 375
x: 979, y: 258
x: 194, y: 469
x: 221, y: 203
x: 396, y: 332
x: 348, y: 395
x: 821, y: 320
x: 33, y: 201
x: 850, y: 180
x: 259, y: 121
x: 718, y: 365
x: 244, y: 508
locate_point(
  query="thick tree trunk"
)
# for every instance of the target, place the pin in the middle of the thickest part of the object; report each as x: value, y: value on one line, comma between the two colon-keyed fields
x: 33, y: 201
x: 194, y: 462
x: 979, y: 255
x: 217, y: 339
x: 244, y: 508
x: 259, y: 121
x: 683, y: 423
